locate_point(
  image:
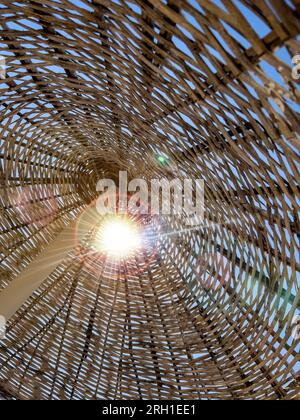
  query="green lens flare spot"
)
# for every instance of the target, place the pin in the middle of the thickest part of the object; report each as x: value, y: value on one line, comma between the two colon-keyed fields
x: 163, y: 160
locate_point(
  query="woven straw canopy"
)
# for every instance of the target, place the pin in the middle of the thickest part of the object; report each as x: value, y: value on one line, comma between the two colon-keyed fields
x: 94, y: 87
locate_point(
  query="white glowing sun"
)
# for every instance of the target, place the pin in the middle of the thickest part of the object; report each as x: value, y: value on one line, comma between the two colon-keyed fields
x: 119, y: 238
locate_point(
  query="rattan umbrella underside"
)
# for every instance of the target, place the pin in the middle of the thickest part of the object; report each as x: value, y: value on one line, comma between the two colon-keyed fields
x: 100, y: 86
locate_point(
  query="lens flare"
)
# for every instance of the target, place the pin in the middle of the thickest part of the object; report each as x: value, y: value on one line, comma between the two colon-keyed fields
x: 119, y: 238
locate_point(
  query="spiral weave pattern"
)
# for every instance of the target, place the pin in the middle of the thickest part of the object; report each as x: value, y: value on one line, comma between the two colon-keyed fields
x: 94, y: 87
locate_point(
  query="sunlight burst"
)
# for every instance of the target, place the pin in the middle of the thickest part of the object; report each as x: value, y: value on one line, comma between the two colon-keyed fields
x: 119, y: 238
